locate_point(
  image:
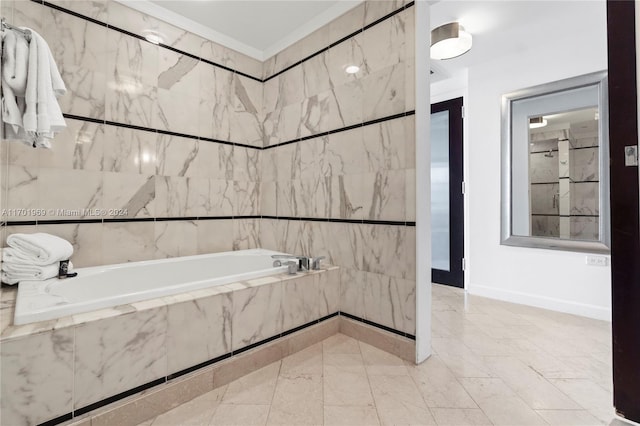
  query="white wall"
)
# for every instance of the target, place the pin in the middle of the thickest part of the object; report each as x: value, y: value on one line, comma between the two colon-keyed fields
x: 546, y: 52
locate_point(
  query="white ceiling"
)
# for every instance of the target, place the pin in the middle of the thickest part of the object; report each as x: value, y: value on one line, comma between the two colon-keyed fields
x: 502, y: 28
x: 258, y: 28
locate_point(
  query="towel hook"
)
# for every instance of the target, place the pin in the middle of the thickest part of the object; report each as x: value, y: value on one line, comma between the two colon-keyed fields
x: 5, y: 25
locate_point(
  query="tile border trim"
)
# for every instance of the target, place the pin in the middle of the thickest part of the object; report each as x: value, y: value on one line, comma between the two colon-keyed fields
x: 114, y: 398
x: 197, y: 218
x: 220, y: 141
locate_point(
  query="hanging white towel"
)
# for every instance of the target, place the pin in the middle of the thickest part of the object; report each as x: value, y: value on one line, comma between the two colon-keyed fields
x: 41, y: 114
x: 15, y: 60
x: 39, y: 248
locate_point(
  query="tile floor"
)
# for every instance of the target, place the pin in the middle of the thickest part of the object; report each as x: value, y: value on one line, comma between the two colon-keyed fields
x: 493, y: 363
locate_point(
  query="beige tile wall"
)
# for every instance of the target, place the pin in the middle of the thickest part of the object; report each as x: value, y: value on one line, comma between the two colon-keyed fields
x: 366, y: 173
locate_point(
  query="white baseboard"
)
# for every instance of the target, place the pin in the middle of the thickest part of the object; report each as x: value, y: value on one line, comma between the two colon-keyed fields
x: 560, y: 305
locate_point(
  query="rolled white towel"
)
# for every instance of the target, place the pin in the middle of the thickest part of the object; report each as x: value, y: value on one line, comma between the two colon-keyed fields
x: 40, y: 248
x: 13, y: 274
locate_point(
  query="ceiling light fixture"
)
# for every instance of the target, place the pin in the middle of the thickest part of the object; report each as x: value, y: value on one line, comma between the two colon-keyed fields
x: 537, y: 122
x: 449, y: 41
x: 352, y: 69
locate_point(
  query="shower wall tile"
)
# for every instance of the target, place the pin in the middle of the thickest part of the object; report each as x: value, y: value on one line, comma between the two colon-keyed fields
x: 585, y: 164
x: 127, y: 242
x: 175, y: 111
x: 347, y: 23
x: 68, y: 194
x: 384, y: 44
x: 268, y: 200
x: 214, y: 236
x: 130, y: 102
x: 131, y: 61
x: 585, y: 198
x: 375, y: 10
x: 246, y: 164
x: 545, y: 226
x: 172, y: 196
x: 384, y: 92
x: 311, y: 197
x: 175, y: 239
x: 349, y: 52
x: 246, y: 234
x: 21, y: 185
x: 178, y: 73
x: 119, y: 353
x: 40, y: 368
x: 209, y: 323
x: 86, y: 239
x: 79, y: 146
x: 17, y: 153
x: 79, y: 48
x: 542, y: 168
x: 175, y: 156
x: 250, y: 307
x: 96, y: 9
x: 247, y: 201
x: 584, y: 228
x: 312, y: 158
x: 128, y: 195
x: 130, y: 19
x: 385, y: 145
x: 384, y: 195
x: 129, y: 151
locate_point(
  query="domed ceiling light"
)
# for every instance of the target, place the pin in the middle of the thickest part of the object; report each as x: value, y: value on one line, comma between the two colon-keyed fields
x: 450, y: 41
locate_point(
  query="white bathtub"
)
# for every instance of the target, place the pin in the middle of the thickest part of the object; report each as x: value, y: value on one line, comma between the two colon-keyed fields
x: 112, y: 285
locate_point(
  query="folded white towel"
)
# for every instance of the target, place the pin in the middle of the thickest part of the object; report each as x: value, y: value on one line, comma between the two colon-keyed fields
x: 39, y: 248
x: 13, y: 274
x: 41, y: 114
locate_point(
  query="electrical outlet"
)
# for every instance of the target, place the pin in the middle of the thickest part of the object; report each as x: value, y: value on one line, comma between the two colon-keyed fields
x: 597, y: 260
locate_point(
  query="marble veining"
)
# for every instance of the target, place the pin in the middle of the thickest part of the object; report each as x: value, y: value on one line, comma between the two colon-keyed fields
x: 41, y: 370
x: 119, y: 353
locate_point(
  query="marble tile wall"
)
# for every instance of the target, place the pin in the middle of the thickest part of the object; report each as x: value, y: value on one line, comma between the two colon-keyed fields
x: 101, y: 171
x: 105, y: 171
x: 366, y: 173
x: 93, y: 356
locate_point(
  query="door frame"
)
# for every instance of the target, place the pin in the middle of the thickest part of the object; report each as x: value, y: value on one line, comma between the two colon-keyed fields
x: 625, y: 215
x: 456, y: 274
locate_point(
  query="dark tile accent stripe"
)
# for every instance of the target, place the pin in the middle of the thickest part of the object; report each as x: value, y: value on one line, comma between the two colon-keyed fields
x: 140, y: 37
x: 343, y: 129
x: 184, y: 135
x: 217, y: 359
x: 342, y: 40
x: 191, y: 55
x: 119, y: 396
x: 197, y: 218
x: 199, y: 366
x: 57, y: 420
x: 375, y: 324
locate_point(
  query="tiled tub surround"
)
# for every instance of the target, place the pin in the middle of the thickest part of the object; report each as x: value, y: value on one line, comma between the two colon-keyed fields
x: 74, y: 363
x: 271, y: 196
x: 109, y: 286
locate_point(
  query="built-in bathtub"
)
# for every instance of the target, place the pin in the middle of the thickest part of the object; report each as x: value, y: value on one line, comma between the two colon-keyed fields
x: 113, y: 285
x: 74, y: 364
